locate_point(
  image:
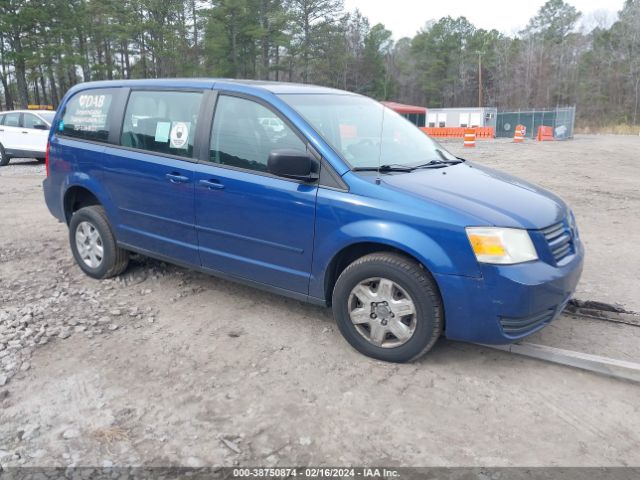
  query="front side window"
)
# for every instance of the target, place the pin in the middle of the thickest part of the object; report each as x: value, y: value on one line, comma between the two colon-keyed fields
x: 86, y: 115
x: 245, y: 132
x: 12, y: 120
x: 29, y: 120
x: 161, y: 121
x: 364, y: 132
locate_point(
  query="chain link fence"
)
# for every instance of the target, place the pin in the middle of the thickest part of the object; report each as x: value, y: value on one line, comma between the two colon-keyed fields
x: 561, y: 119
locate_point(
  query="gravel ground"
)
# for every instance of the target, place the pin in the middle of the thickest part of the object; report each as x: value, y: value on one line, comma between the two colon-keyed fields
x: 166, y: 366
x: 23, y: 166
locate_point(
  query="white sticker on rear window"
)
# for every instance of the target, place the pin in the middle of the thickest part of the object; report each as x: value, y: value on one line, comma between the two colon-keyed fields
x: 179, y: 134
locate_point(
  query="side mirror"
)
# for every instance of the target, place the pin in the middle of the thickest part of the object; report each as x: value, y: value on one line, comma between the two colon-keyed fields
x: 293, y: 164
x: 40, y: 126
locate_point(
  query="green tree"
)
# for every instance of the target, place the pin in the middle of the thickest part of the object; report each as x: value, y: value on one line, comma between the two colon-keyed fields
x: 626, y: 33
x: 311, y: 22
x: 17, y: 21
x: 548, y: 43
x: 440, y: 52
x: 377, y: 48
x: 231, y: 38
x: 553, y: 22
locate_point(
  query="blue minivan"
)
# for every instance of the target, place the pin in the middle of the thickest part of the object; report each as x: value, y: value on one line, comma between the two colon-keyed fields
x: 318, y: 194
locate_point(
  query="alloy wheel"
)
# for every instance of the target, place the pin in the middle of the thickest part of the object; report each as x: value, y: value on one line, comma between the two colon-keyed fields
x: 382, y: 312
x: 89, y: 244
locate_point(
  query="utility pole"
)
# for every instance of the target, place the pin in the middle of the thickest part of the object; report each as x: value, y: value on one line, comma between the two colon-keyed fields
x: 479, y: 79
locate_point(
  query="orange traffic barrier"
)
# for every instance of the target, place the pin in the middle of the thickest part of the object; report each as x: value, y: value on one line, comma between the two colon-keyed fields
x: 457, y: 132
x: 518, y: 136
x: 469, y: 137
x: 545, y: 133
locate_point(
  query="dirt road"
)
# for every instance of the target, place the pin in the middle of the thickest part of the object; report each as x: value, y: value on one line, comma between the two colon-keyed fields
x: 165, y: 366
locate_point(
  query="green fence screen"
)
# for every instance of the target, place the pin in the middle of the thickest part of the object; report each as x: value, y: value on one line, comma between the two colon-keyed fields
x: 561, y: 119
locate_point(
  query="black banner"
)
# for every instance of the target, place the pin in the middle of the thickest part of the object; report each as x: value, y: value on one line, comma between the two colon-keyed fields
x: 373, y: 473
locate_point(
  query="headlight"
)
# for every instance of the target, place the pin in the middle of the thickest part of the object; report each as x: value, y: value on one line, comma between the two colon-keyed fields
x: 504, y: 246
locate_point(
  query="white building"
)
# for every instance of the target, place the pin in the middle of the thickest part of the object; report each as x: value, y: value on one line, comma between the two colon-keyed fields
x: 461, y: 117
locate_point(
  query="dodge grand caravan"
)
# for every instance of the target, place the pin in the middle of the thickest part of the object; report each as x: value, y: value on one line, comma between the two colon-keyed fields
x: 347, y: 205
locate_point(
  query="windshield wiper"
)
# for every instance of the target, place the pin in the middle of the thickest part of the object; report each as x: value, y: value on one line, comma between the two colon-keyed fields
x: 448, y: 160
x: 432, y: 164
x: 438, y: 163
x: 393, y: 167
x: 397, y: 167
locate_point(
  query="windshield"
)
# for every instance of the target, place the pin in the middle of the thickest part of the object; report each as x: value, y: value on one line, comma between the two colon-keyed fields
x: 365, y: 133
x: 48, y: 116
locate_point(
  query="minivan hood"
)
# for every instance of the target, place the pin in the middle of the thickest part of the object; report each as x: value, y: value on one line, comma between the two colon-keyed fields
x: 495, y: 197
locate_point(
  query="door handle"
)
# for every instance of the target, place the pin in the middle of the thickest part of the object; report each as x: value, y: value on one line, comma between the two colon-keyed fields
x: 24, y: 131
x: 212, y: 184
x: 177, y: 178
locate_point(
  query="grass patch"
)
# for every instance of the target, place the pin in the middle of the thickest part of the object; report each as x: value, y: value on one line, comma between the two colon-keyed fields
x: 620, y: 129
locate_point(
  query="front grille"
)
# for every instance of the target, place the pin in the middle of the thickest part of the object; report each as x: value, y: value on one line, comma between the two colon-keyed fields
x: 559, y: 239
x: 522, y: 325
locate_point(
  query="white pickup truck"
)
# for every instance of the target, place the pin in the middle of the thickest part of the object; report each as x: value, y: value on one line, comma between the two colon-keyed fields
x: 24, y: 133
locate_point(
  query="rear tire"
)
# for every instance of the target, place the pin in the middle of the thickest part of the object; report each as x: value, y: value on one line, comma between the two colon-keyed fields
x: 388, y: 307
x: 4, y: 158
x: 93, y: 244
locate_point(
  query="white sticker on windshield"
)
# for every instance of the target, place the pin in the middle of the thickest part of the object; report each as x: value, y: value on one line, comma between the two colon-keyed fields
x: 179, y: 135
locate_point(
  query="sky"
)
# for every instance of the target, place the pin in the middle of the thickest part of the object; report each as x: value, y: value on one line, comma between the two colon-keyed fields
x: 405, y: 17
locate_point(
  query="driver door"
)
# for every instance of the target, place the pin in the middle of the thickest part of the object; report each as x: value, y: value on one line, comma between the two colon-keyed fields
x: 252, y: 224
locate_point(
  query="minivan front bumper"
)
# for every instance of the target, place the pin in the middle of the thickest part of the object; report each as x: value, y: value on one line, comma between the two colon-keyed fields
x: 508, y: 302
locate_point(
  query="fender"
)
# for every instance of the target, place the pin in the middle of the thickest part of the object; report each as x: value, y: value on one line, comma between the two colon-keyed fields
x: 81, y: 179
x: 400, y: 236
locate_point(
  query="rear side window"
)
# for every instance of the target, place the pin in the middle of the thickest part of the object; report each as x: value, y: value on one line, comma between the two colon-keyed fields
x: 86, y: 115
x: 161, y: 121
x: 2, y: 119
x: 12, y: 120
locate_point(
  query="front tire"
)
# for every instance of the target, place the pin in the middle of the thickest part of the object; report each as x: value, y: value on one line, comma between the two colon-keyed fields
x: 388, y: 307
x: 4, y: 158
x: 93, y: 244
